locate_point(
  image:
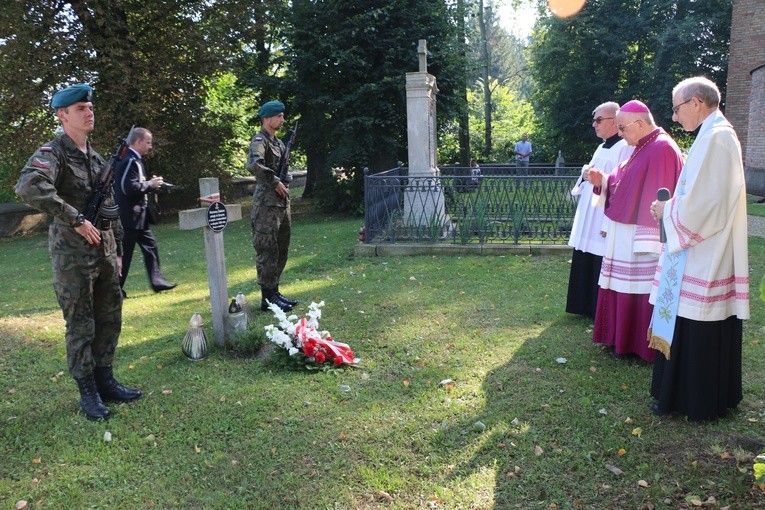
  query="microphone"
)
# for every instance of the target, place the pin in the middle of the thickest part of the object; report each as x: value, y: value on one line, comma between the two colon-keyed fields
x: 662, y: 195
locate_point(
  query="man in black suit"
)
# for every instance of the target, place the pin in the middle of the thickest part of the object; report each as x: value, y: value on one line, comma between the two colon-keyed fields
x: 131, y: 192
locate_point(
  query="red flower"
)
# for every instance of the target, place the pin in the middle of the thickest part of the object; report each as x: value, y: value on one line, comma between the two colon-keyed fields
x: 309, y: 347
x: 320, y: 358
x: 338, y: 361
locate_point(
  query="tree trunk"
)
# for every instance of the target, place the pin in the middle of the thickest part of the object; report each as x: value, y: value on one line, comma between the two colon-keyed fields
x: 463, y: 114
x: 485, y: 63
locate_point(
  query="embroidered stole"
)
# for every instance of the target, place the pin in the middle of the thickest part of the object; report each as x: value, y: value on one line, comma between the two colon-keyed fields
x: 662, y: 327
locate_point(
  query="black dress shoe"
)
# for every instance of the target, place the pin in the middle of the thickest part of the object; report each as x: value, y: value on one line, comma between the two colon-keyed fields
x: 292, y: 302
x: 275, y: 299
x: 124, y: 294
x: 110, y: 390
x: 658, y: 411
x: 164, y: 285
x: 90, y: 401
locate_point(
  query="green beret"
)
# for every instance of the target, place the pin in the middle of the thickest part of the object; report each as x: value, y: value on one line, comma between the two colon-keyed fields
x: 270, y: 109
x: 71, y: 95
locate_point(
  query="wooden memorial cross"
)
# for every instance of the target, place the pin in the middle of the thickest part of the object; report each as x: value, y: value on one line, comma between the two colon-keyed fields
x: 214, y: 219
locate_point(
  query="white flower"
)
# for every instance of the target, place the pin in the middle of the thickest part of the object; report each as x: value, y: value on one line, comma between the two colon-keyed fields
x: 278, y: 337
x: 293, y: 351
x: 314, y: 313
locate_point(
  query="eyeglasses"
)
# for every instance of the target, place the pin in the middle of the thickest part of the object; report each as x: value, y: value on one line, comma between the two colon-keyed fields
x: 601, y: 119
x: 622, y: 128
x: 676, y: 109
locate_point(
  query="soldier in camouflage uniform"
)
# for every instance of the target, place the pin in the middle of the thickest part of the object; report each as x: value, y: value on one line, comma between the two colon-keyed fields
x: 271, y: 217
x: 58, y: 180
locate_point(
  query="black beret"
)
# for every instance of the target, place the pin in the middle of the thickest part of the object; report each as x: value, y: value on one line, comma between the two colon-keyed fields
x: 72, y: 94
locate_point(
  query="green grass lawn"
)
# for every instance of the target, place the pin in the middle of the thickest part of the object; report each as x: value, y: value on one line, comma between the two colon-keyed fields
x: 515, y: 429
x: 754, y: 206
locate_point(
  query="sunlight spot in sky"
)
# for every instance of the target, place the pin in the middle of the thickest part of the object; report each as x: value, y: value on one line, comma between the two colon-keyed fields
x: 519, y: 22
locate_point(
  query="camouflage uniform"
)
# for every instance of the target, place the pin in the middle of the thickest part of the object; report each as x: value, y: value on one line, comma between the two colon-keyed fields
x: 59, y: 179
x: 271, y: 217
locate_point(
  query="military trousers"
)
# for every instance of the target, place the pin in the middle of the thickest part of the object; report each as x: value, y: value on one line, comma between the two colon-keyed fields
x: 88, y: 292
x: 271, y: 230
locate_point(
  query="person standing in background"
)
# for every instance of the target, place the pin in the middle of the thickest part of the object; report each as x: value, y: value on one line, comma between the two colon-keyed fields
x: 522, y: 153
x: 701, y: 288
x: 131, y: 192
x: 475, y: 173
x: 632, y: 237
x: 588, y: 231
x: 59, y: 180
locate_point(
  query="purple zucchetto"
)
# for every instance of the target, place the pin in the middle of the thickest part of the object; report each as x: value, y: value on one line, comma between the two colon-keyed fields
x: 634, y: 106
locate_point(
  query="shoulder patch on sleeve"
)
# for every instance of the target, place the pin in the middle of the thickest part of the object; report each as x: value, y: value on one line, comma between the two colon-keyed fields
x: 258, y: 138
x: 40, y: 163
x: 46, y: 148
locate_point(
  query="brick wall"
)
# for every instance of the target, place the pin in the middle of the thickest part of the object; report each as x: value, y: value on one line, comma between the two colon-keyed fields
x: 755, y: 147
x: 747, y: 51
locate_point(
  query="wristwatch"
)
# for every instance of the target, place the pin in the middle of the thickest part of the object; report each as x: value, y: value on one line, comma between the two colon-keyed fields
x: 79, y: 221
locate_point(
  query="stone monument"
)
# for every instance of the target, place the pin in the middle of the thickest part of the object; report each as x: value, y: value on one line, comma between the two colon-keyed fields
x: 424, y: 195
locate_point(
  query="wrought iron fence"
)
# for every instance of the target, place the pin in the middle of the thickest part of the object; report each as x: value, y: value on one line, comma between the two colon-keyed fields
x: 455, y: 207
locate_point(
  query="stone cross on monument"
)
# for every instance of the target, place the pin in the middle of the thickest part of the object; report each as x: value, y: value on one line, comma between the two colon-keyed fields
x: 213, y: 219
x: 424, y: 196
x: 422, y: 52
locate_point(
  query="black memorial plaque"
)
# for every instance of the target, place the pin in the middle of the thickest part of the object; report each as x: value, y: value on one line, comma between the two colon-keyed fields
x: 217, y: 217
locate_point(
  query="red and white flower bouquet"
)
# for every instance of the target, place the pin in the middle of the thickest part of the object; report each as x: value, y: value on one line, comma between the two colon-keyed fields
x: 304, y: 343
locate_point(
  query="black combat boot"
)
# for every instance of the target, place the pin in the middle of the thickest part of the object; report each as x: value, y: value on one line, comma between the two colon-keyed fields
x: 292, y: 302
x: 90, y: 401
x: 270, y: 296
x: 110, y: 389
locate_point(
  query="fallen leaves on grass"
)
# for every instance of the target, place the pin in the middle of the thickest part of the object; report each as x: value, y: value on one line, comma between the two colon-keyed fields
x: 615, y: 470
x: 637, y: 431
x: 538, y: 450
x: 515, y: 472
x: 447, y: 384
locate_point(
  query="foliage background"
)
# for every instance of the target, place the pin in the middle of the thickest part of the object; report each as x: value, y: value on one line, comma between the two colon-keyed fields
x: 195, y: 72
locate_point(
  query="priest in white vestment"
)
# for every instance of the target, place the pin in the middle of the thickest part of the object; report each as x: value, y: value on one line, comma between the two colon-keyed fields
x: 588, y: 231
x: 701, y: 287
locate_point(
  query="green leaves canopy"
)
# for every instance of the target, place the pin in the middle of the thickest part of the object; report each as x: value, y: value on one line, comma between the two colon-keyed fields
x: 616, y: 50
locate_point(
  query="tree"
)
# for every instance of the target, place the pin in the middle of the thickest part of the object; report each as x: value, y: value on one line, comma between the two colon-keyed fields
x: 151, y: 63
x: 349, y: 61
x: 618, y: 50
x: 498, y: 59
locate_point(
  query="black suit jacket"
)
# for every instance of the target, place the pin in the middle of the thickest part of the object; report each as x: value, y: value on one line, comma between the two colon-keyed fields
x: 131, y: 189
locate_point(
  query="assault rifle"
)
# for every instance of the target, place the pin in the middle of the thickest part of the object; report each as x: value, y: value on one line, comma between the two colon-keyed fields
x: 95, y: 207
x: 284, y: 164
